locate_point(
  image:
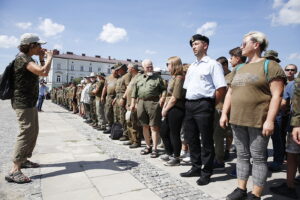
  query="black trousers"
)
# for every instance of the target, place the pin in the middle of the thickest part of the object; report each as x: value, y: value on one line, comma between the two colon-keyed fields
x: 170, y: 131
x: 198, y: 124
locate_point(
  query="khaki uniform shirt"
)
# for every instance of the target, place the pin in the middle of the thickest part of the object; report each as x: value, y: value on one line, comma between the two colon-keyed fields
x: 111, y: 85
x: 148, y: 86
x: 296, y: 104
x: 99, y: 87
x: 122, y: 84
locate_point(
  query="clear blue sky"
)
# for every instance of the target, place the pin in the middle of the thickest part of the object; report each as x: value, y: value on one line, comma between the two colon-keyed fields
x: 155, y: 29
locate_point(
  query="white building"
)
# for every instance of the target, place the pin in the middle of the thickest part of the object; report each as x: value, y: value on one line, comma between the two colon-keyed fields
x: 66, y: 67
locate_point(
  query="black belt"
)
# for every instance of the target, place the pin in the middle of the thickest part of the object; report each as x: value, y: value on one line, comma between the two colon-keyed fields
x: 151, y: 98
x: 201, y: 99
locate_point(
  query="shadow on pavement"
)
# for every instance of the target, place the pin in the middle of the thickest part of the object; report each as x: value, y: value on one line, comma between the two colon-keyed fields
x: 81, y: 166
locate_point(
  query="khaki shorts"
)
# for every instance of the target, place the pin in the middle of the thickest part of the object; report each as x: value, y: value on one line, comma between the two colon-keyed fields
x: 149, y: 113
x: 291, y: 145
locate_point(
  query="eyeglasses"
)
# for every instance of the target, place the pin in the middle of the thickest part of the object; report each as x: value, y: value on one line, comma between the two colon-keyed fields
x: 291, y: 70
x: 168, y: 64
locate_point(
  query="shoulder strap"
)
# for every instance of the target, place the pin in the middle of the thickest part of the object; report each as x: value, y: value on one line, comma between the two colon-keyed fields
x: 266, y: 70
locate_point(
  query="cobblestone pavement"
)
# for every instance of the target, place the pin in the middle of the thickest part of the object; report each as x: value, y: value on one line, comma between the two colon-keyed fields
x: 158, y: 180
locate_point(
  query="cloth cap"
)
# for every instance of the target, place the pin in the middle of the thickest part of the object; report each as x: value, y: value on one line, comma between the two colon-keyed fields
x: 101, y: 74
x: 272, y: 55
x: 199, y: 37
x: 28, y: 38
x: 119, y: 66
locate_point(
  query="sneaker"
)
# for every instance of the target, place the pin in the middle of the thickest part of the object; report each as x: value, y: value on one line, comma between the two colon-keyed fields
x: 173, y: 162
x: 165, y: 157
x: 187, y: 159
x: 275, y: 167
x: 284, y: 190
x: 219, y: 166
x: 237, y: 194
x: 226, y: 155
x: 185, y: 155
x: 253, y: 197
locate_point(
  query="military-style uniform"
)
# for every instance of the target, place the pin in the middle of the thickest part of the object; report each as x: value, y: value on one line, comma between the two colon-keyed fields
x: 120, y: 111
x: 93, y: 103
x: 148, y: 90
x: 295, y: 121
x: 133, y: 126
x: 100, y: 106
x: 110, y: 85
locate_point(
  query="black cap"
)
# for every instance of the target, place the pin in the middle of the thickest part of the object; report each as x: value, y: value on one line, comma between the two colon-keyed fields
x: 199, y: 37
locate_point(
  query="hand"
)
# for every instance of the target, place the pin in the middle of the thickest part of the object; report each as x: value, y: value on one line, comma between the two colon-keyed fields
x: 296, y: 134
x: 49, y: 54
x: 164, y: 113
x: 224, y: 121
x: 268, y: 128
x: 161, y: 102
x: 42, y: 54
x: 102, y: 100
x: 122, y: 102
x: 132, y: 108
x: 114, y: 101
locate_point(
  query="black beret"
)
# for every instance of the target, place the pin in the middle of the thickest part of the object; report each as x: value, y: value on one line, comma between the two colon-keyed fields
x: 199, y: 37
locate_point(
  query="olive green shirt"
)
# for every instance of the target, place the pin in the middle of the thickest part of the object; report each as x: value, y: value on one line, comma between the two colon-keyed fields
x: 99, y: 87
x: 148, y: 86
x: 26, y: 84
x: 122, y: 83
x: 296, y: 104
x: 175, y: 89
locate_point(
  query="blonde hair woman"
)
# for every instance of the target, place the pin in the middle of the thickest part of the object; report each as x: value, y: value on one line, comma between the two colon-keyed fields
x: 173, y: 113
x: 253, y: 100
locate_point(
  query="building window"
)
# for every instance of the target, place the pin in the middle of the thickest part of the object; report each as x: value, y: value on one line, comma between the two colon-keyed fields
x: 72, y: 67
x: 58, y: 66
x: 81, y: 68
x: 90, y: 69
x: 58, y: 78
x: 99, y: 69
x: 72, y: 78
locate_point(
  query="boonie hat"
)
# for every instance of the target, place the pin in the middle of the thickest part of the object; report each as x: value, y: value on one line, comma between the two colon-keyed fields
x: 28, y: 38
x: 272, y: 55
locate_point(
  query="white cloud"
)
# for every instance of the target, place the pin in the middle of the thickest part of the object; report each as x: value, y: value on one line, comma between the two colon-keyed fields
x: 57, y: 46
x: 112, y: 34
x: 24, y: 25
x: 289, y: 13
x: 294, y: 56
x: 50, y: 28
x: 150, y: 52
x: 8, y: 41
x: 208, y: 29
x: 277, y: 3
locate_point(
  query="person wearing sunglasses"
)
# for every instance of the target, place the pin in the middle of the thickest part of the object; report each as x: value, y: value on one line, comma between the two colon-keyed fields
x: 290, y: 71
x: 253, y: 99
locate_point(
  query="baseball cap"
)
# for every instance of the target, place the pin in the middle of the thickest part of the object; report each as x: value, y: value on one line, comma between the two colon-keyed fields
x: 28, y: 38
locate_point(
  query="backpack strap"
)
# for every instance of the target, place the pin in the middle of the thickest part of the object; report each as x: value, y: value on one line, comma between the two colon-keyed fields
x: 266, y: 69
x: 239, y: 66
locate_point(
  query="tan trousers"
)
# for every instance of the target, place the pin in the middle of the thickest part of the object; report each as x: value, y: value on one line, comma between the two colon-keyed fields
x: 29, y: 129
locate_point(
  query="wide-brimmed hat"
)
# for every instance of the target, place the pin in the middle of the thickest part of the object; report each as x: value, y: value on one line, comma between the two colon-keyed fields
x: 271, y: 54
x: 120, y: 66
x: 92, y: 75
x: 28, y: 38
x: 101, y: 74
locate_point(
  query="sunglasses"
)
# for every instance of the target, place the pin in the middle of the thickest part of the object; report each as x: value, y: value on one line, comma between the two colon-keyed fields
x: 287, y: 70
x: 168, y: 64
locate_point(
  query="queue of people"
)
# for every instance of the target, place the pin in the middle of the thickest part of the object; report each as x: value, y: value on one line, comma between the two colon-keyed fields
x: 193, y: 112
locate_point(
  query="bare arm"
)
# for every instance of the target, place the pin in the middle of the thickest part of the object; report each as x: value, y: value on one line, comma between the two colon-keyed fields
x: 276, y: 87
x: 41, y: 70
x: 226, y: 108
x: 220, y: 94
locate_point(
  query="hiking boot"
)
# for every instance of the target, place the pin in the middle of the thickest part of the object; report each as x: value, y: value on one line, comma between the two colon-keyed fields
x: 127, y: 143
x: 237, y: 194
x: 173, y: 162
x: 284, y: 190
x: 134, y: 145
x: 124, y: 138
x: 165, y: 157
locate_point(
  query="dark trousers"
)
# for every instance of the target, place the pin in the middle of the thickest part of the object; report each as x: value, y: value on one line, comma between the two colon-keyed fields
x: 278, y: 142
x: 170, y: 131
x: 40, y: 102
x: 199, y: 119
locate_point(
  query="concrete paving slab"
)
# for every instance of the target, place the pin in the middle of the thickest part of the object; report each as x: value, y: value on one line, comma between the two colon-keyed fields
x: 86, y: 194
x: 144, y: 194
x: 101, y: 168
x: 124, y: 182
x: 65, y: 183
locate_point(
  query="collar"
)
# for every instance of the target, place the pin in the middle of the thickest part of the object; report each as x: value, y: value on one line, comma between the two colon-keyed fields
x: 203, y: 59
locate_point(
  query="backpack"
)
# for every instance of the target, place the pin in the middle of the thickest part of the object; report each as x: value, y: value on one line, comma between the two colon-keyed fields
x: 7, y: 82
x: 116, y: 131
x: 266, y: 63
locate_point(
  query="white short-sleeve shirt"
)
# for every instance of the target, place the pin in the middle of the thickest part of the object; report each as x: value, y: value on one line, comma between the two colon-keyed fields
x: 203, y: 78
